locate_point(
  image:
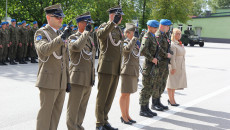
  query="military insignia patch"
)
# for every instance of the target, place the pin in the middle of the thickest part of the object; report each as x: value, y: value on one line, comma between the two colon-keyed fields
x: 39, y: 37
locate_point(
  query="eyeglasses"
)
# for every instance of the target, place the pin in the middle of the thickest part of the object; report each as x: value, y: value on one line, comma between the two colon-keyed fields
x: 59, y: 18
x: 178, y: 33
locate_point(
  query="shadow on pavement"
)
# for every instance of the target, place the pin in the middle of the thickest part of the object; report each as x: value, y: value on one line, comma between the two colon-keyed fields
x: 143, y: 127
x: 193, y: 126
x: 219, y: 119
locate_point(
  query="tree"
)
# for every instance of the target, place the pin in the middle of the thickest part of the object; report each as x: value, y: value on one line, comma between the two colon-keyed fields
x: 175, y: 10
x: 198, y: 7
x: 31, y: 10
x: 217, y: 4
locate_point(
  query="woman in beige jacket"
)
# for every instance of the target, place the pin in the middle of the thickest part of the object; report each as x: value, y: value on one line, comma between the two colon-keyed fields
x: 129, y: 71
x: 177, y: 77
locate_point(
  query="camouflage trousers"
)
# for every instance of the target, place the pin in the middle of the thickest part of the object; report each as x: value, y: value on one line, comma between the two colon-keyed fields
x: 33, y: 52
x: 160, y: 81
x: 1, y: 54
x: 20, y: 51
x: 13, y: 51
x: 149, y: 82
x: 5, y: 51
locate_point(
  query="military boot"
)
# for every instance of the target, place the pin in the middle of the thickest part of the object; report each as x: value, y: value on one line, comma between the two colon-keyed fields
x: 1, y: 63
x: 4, y: 62
x: 156, y: 106
x: 160, y: 104
x: 33, y: 60
x: 149, y: 111
x: 11, y: 62
x: 144, y: 112
x: 27, y: 59
x: 23, y: 60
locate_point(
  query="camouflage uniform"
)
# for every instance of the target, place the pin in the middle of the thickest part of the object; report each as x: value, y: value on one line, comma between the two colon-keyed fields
x: 32, y: 50
x: 1, y: 49
x: 163, y: 66
x: 14, y: 40
x: 148, y: 49
x: 23, y: 39
x: 5, y: 41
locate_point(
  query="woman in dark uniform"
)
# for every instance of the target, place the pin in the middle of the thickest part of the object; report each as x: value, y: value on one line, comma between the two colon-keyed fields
x: 129, y: 71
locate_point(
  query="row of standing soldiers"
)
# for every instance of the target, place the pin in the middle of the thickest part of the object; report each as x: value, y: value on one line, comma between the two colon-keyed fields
x: 17, y: 43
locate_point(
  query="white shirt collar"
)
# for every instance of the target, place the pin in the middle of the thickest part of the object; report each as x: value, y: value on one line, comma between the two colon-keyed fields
x: 55, y: 30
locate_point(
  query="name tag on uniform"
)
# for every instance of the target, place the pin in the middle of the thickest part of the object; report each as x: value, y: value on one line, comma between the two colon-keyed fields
x: 39, y: 37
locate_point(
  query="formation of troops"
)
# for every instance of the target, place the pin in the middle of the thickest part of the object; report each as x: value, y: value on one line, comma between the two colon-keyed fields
x: 17, y: 43
x: 57, y: 48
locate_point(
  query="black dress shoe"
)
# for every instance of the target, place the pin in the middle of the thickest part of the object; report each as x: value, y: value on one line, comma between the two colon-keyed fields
x: 175, y: 105
x: 100, y: 128
x: 125, y: 122
x: 109, y: 127
x: 132, y: 121
x: 163, y: 106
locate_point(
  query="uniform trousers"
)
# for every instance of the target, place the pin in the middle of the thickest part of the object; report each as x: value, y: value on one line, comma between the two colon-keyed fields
x: 107, y: 86
x: 51, y: 102
x: 161, y: 81
x: 77, y: 104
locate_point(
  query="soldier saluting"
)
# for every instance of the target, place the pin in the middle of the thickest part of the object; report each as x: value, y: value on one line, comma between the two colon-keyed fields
x: 53, y: 74
x: 82, y: 56
x: 109, y: 65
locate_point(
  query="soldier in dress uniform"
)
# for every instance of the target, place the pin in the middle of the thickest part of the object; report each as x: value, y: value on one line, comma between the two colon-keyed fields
x: 129, y: 71
x: 53, y: 73
x: 23, y: 43
x: 111, y: 39
x: 32, y: 47
x: 148, y: 50
x: 82, y: 73
x: 13, y: 32
x: 163, y: 39
x: 4, y: 42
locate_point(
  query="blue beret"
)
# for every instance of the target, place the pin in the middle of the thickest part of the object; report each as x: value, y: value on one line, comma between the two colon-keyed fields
x: 75, y: 29
x: 0, y: 26
x: 43, y: 25
x: 64, y: 25
x: 13, y: 20
x: 7, y: 22
x: 23, y: 21
x: 35, y: 22
x: 165, y: 22
x: 19, y: 23
x: 96, y: 27
x: 71, y: 25
x: 153, y: 23
x: 3, y: 23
